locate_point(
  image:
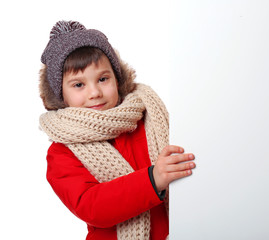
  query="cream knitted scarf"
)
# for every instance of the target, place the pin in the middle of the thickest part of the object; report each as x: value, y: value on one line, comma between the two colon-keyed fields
x: 85, y: 132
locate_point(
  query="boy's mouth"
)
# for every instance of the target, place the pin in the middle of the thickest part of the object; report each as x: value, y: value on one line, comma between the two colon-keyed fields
x: 97, y: 107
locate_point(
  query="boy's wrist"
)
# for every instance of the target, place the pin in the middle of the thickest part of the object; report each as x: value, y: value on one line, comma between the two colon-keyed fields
x: 161, y: 194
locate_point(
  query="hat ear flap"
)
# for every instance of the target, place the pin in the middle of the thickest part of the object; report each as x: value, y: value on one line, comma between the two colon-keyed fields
x: 50, y: 101
x: 127, y: 83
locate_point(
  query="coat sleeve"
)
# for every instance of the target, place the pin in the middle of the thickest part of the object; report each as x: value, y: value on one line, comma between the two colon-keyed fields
x: 101, y: 205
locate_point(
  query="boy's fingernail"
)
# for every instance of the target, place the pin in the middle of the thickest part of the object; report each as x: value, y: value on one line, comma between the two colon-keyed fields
x: 191, y: 156
x: 192, y: 165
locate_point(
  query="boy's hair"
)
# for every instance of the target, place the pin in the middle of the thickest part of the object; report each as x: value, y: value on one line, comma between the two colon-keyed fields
x: 82, y: 57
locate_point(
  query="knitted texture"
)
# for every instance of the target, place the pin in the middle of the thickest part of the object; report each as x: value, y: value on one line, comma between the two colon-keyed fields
x: 86, y: 131
x: 65, y: 37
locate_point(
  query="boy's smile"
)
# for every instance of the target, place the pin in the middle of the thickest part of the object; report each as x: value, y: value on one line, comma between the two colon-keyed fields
x: 96, y: 87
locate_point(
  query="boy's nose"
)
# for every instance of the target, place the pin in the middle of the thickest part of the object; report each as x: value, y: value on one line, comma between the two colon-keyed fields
x: 94, y: 92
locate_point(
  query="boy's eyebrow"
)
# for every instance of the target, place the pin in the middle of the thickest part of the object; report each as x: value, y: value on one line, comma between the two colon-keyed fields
x: 75, y: 78
x: 105, y: 71
x: 72, y: 80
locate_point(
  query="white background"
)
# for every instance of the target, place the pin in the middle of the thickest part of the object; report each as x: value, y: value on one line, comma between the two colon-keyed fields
x: 219, y: 112
x: 138, y: 29
x: 207, y: 60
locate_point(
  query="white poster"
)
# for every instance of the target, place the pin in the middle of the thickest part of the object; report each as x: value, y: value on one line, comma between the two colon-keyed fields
x: 220, y: 112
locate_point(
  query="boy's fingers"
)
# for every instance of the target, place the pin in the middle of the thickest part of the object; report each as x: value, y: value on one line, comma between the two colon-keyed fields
x: 181, y: 174
x: 180, y: 167
x: 180, y: 158
x: 170, y: 149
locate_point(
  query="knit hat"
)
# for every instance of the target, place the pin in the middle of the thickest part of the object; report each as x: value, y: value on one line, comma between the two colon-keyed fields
x: 65, y: 37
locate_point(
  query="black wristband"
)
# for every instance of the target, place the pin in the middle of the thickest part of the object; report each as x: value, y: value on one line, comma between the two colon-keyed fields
x: 161, y: 195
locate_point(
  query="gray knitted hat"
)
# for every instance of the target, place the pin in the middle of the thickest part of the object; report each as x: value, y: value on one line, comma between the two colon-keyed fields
x: 65, y: 37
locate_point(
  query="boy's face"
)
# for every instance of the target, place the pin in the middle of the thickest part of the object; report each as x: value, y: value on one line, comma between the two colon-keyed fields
x: 96, y: 87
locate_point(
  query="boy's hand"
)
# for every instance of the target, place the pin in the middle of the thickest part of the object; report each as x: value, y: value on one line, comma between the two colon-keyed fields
x: 171, y: 167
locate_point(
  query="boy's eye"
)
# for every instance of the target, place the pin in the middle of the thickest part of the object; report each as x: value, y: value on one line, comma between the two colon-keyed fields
x: 102, y: 79
x: 78, y: 85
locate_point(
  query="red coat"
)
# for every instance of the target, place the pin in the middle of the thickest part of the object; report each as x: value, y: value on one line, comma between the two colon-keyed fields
x: 103, y: 205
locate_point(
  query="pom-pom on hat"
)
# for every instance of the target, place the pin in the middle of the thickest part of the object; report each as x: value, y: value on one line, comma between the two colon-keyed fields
x: 65, y: 37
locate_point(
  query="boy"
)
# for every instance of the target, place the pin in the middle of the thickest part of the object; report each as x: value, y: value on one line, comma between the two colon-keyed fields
x: 110, y: 162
